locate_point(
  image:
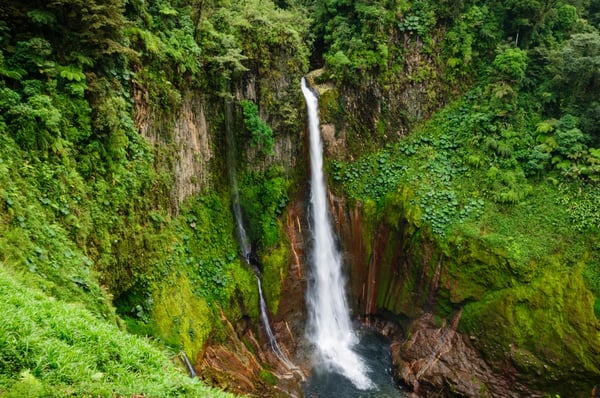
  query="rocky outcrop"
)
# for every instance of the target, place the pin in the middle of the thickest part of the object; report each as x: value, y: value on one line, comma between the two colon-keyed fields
x: 290, y: 320
x: 192, y: 147
x: 181, y: 140
x: 335, y: 146
x: 244, y: 362
x: 540, y: 332
x: 438, y: 360
x: 242, y: 365
x: 280, y: 105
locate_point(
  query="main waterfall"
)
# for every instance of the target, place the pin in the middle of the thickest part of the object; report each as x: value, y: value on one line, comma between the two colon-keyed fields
x: 330, y: 328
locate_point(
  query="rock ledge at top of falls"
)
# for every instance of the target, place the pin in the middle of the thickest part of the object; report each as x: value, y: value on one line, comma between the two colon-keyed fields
x: 313, y: 81
x: 440, y: 361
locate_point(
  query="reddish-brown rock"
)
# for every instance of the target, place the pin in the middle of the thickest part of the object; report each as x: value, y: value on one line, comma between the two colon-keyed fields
x: 440, y: 361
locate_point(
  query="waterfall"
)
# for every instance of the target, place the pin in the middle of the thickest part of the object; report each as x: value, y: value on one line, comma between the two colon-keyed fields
x: 235, y: 195
x: 330, y: 328
x: 243, y: 237
x: 272, y: 340
x: 188, y: 365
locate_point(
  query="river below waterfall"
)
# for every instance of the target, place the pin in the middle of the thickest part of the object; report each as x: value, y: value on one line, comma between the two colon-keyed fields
x: 374, y: 349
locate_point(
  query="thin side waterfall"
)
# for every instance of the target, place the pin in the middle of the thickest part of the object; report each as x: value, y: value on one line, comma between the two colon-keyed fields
x: 235, y: 195
x: 330, y: 328
x: 188, y: 365
x: 272, y: 340
x: 243, y: 237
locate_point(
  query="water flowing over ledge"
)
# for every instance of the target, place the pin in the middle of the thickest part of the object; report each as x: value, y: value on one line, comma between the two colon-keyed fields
x: 329, y: 325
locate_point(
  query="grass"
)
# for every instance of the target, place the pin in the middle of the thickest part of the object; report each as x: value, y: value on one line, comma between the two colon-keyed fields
x: 168, y: 277
x: 49, y: 348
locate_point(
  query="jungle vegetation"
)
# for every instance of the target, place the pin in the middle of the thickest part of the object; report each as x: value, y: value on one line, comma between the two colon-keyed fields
x: 92, y: 247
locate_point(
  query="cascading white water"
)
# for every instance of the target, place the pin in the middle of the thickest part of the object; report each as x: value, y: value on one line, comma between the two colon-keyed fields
x: 272, y: 340
x: 330, y: 328
x: 243, y: 237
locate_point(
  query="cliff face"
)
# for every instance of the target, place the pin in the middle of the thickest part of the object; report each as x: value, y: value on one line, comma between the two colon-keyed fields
x: 182, y: 142
x: 189, y: 143
x: 277, y: 91
x: 534, y: 326
x: 538, y: 329
x: 441, y: 223
x: 532, y: 323
x: 190, y: 147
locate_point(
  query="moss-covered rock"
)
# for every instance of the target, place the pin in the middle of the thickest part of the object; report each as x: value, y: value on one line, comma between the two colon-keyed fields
x: 182, y: 318
x: 274, y: 270
x: 534, y: 316
x: 546, y: 329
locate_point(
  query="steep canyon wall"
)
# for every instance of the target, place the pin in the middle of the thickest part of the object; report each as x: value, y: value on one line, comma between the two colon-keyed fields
x: 190, y: 147
x: 537, y: 328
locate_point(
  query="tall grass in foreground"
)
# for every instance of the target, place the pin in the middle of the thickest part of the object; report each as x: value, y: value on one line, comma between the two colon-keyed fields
x: 49, y: 348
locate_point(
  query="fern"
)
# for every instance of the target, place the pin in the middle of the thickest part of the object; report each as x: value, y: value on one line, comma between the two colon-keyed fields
x: 505, y: 150
x: 491, y: 143
x: 545, y: 127
x: 71, y: 73
x: 16, y: 74
x: 262, y: 134
x: 82, y: 60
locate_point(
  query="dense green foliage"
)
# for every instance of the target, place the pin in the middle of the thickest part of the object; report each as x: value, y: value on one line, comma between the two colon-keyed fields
x: 507, y: 172
x: 372, y: 38
x: 214, y: 46
x: 524, y: 128
x: 58, y: 350
x: 264, y: 196
x: 502, y: 182
x: 66, y: 237
x: 85, y: 215
x: 487, y: 148
x: 262, y: 134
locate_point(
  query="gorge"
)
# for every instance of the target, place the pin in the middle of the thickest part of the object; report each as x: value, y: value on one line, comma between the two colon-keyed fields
x: 431, y: 229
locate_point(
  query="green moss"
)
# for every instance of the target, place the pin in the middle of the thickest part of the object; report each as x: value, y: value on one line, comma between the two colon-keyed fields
x: 182, y: 319
x: 329, y: 107
x: 472, y: 268
x: 536, y: 313
x: 275, y: 264
x: 204, y: 277
x: 398, y: 206
x: 546, y: 328
x: 268, y: 377
x: 264, y: 196
x: 244, y: 289
x: 468, y: 267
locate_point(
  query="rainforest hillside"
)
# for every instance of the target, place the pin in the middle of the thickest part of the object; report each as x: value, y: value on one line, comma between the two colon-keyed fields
x: 467, y: 134
x: 485, y: 213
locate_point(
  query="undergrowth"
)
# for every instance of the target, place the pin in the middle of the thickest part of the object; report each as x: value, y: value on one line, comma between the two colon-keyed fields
x: 468, y: 171
x: 50, y: 348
